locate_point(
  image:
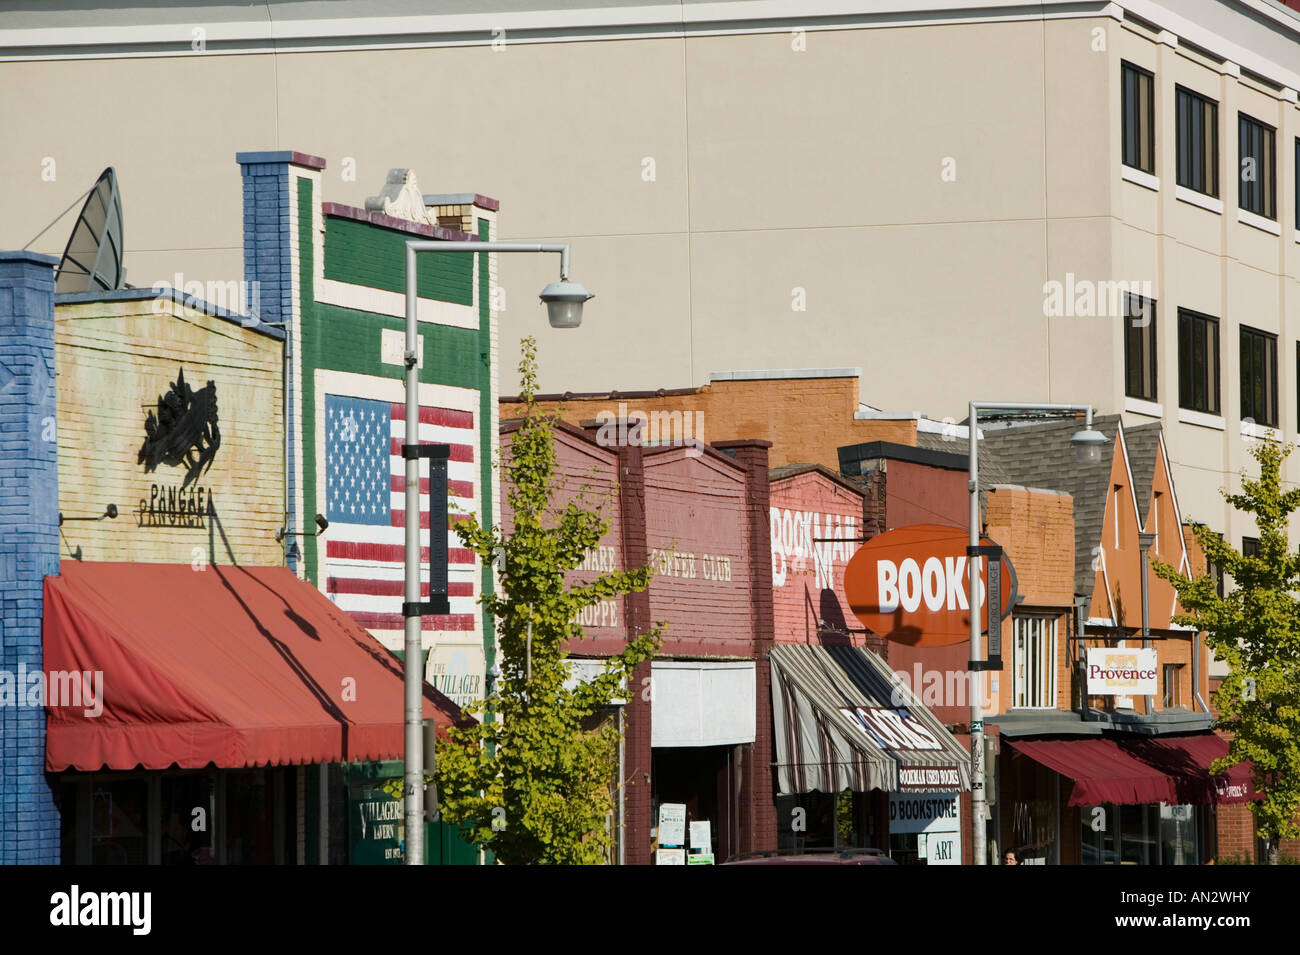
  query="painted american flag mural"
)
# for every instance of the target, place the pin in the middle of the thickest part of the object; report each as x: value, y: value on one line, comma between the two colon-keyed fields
x: 365, y: 479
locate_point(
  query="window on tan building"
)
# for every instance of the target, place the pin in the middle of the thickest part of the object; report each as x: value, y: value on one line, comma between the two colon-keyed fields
x: 1139, y: 347
x: 1198, y: 362
x: 1257, y: 186
x: 1198, y: 142
x: 1139, y: 128
x: 1034, y: 667
x: 1259, y: 376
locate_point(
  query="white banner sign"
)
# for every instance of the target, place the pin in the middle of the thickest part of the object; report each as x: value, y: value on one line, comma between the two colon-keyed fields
x: 1122, y: 672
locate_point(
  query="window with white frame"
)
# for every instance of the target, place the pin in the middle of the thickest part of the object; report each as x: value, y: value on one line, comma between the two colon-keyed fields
x: 1035, y: 662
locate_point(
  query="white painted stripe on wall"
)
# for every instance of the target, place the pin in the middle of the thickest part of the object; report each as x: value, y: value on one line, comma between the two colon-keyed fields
x: 383, y: 302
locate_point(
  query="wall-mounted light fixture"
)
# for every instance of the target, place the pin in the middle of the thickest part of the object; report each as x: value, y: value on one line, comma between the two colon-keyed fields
x: 281, y: 533
x: 110, y: 512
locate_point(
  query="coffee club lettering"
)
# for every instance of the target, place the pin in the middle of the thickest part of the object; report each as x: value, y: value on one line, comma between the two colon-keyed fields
x: 670, y: 563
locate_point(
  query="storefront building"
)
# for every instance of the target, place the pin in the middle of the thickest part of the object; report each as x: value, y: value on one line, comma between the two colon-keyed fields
x: 861, y: 762
x: 335, y: 275
x: 1089, y: 773
x: 174, y: 691
x: 695, y: 732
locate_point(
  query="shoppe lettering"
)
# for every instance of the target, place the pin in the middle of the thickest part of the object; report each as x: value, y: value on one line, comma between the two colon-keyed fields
x: 174, y: 506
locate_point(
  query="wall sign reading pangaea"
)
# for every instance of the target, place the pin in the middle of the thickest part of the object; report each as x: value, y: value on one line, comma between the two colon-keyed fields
x: 182, y: 433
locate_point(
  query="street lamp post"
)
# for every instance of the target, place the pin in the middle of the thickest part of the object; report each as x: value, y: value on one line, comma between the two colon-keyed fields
x: 564, y: 300
x: 1087, y: 445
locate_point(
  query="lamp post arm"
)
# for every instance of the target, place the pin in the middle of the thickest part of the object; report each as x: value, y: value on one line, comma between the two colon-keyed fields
x: 432, y: 245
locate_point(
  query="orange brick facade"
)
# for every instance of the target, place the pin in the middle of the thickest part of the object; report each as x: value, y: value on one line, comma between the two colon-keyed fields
x: 806, y: 419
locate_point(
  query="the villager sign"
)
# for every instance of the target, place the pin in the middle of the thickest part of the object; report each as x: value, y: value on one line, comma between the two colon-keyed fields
x: 1121, y: 672
x: 910, y: 585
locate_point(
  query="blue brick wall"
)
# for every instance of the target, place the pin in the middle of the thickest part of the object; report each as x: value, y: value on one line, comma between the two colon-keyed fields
x: 29, y: 547
x: 268, y: 261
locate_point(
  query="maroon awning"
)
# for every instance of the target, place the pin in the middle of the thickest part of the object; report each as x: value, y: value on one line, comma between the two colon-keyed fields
x: 1101, y: 770
x: 1187, y: 759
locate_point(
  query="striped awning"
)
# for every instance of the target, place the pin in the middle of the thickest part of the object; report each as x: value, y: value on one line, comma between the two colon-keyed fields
x: 842, y: 720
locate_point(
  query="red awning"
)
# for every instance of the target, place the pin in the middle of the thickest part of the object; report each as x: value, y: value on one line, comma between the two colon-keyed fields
x: 1187, y: 759
x: 236, y: 666
x: 1101, y: 770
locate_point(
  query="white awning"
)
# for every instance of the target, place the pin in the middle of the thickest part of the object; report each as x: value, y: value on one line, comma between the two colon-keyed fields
x: 695, y: 703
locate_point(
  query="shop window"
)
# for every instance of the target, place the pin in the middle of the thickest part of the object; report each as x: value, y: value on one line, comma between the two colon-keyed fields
x: 1147, y: 834
x: 1257, y: 181
x: 1030, y: 822
x: 1259, y: 376
x: 249, y: 822
x: 1138, y: 133
x: 189, y: 810
x: 1139, y: 347
x: 1198, y: 362
x: 1173, y: 678
x: 119, y: 822
x: 1198, y: 142
x: 1035, y: 662
x: 1180, y: 842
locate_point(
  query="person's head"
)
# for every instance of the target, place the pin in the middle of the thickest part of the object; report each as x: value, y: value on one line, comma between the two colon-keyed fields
x: 1009, y: 858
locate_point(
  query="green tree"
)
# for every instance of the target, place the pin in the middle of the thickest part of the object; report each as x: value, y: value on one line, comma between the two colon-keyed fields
x: 1255, y: 630
x: 531, y: 782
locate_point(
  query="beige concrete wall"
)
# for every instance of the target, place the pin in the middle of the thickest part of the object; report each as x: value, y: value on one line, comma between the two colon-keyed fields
x: 777, y: 172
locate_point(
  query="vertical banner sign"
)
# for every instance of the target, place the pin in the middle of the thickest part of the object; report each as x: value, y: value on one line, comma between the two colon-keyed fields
x: 437, y: 603
x: 995, y: 600
x: 438, y: 528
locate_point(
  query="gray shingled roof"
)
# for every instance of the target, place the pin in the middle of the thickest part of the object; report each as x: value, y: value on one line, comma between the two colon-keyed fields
x: 1041, y: 456
x: 1143, y: 442
x: 991, y: 470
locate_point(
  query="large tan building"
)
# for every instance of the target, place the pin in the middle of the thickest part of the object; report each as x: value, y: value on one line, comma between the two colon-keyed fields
x: 942, y: 194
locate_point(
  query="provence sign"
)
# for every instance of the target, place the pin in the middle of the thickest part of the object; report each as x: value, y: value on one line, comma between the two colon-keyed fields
x: 183, y: 433
x: 1121, y: 672
x: 910, y: 585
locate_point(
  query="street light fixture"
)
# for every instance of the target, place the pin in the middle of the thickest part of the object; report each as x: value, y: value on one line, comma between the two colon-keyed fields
x: 564, y: 300
x: 1088, y: 445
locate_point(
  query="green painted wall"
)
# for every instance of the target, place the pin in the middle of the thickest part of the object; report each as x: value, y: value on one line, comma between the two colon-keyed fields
x: 368, y: 255
x: 342, y: 339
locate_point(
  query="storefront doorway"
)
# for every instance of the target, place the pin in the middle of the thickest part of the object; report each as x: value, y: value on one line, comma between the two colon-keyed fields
x: 708, y: 780
x: 194, y: 817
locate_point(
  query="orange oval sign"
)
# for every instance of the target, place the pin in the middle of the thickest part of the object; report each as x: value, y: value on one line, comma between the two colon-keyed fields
x: 910, y: 585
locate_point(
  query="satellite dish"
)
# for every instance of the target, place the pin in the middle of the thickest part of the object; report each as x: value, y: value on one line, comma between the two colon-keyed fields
x: 92, y: 262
